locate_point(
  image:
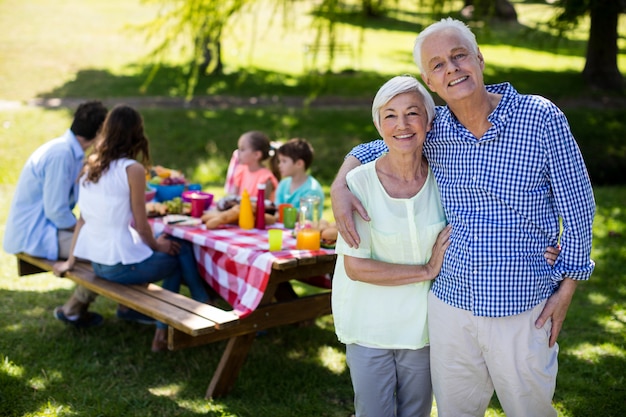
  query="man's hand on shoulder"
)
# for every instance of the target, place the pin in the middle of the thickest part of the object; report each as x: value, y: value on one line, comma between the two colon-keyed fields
x: 344, y: 203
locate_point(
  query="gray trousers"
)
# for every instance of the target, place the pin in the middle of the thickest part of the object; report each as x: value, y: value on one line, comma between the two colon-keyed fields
x: 390, y: 382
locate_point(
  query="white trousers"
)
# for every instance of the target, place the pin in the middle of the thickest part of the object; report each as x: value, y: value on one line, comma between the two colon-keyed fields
x: 471, y: 356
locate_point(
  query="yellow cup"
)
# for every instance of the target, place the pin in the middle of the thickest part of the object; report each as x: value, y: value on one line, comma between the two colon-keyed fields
x: 275, y: 238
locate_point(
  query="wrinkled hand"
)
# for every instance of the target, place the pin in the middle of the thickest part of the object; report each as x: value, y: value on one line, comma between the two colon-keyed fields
x: 343, y: 204
x: 167, y: 245
x: 60, y: 268
x: 551, y: 254
x: 439, y: 250
x: 556, y: 308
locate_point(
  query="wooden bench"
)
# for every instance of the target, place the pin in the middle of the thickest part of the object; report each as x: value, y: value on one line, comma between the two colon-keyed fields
x: 194, y: 324
x: 178, y: 311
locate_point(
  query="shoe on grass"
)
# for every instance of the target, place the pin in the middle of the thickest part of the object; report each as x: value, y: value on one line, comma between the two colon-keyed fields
x: 85, y: 320
x: 133, y: 315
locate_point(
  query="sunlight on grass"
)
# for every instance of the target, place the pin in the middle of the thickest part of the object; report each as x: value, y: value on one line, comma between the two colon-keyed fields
x: 202, y: 407
x: 616, y: 323
x: 594, y: 354
x: 333, y: 359
x: 44, y: 282
x: 52, y: 409
x: 210, y: 171
x: 11, y: 369
x: 608, y: 220
x: 597, y: 298
x: 170, y: 391
x: 534, y: 60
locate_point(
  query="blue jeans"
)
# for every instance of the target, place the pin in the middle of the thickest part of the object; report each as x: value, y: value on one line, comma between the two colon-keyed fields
x: 173, y: 270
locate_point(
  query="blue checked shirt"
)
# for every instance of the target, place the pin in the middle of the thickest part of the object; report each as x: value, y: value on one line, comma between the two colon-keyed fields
x: 504, y: 195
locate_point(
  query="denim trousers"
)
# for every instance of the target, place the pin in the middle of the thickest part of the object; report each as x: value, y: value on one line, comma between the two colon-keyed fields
x: 172, y: 269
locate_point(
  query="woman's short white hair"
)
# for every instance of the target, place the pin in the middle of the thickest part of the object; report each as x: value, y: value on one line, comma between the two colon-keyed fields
x: 444, y: 24
x: 399, y: 85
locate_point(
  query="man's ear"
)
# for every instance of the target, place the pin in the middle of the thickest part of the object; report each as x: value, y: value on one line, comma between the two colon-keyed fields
x: 481, y: 60
x: 427, y: 82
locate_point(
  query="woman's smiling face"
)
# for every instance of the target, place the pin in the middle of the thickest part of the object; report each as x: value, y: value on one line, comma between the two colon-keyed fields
x: 404, y: 122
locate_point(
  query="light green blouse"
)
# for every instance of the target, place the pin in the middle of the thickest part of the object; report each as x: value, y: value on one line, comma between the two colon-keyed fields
x: 401, y: 231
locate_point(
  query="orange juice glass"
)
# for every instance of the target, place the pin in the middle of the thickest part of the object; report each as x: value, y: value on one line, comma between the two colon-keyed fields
x: 308, y: 239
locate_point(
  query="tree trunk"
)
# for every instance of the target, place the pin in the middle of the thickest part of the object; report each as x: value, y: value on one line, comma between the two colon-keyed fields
x: 212, y: 58
x: 373, y: 8
x: 601, y: 69
x: 481, y: 9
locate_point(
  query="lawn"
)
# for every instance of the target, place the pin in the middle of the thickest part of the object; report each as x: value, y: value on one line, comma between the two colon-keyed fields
x: 70, y: 49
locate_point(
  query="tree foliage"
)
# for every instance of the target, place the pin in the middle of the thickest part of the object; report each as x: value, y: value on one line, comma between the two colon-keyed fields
x: 194, y: 28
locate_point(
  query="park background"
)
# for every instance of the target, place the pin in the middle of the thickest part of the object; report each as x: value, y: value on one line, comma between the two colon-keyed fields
x: 55, y: 54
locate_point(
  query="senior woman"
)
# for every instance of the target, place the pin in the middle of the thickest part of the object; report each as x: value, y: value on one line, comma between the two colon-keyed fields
x: 380, y: 288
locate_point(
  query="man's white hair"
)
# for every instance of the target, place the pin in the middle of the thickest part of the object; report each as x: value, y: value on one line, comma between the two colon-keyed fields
x: 444, y: 24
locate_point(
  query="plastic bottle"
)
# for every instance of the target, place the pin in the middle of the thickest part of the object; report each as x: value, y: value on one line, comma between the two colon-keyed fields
x: 246, y: 217
x: 260, y: 207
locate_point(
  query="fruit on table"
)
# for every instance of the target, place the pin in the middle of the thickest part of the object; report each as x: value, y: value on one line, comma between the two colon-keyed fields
x: 159, y: 175
x: 175, y: 205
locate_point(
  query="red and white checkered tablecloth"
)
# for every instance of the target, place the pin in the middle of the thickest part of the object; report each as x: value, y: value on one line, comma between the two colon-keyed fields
x: 237, y: 263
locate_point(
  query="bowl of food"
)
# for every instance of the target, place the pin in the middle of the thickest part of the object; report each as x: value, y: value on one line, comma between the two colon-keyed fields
x: 168, y: 192
x: 150, y: 193
x: 189, y: 195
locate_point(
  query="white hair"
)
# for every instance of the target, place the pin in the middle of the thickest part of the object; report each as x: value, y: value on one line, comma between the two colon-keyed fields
x: 444, y: 24
x: 399, y: 85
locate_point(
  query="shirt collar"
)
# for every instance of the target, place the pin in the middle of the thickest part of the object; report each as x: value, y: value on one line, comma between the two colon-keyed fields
x: 72, y: 141
x: 500, y: 113
x: 507, y: 105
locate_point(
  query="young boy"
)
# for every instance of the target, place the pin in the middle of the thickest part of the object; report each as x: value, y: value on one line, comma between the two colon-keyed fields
x: 294, y: 159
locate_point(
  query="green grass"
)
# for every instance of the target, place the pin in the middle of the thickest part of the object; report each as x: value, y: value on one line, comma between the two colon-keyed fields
x: 69, y: 48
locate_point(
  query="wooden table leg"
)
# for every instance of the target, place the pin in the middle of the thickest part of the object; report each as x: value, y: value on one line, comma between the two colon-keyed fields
x: 230, y: 365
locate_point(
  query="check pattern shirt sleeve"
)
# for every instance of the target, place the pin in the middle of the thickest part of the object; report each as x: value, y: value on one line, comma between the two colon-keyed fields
x: 367, y: 152
x: 504, y: 195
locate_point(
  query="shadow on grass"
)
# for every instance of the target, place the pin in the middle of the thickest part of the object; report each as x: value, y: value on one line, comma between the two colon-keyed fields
x: 199, y: 137
x: 171, y: 82
x: 110, y: 370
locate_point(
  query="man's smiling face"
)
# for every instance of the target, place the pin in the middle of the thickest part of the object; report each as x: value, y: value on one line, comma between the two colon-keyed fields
x: 451, y: 68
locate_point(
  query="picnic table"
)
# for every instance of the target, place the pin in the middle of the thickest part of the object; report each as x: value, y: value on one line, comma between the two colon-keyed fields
x: 238, y: 265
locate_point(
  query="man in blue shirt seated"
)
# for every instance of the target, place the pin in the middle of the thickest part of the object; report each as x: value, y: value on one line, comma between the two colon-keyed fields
x: 41, y: 222
x: 508, y: 170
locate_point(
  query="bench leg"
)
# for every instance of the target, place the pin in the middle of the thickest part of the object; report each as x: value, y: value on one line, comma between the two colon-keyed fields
x: 230, y: 365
